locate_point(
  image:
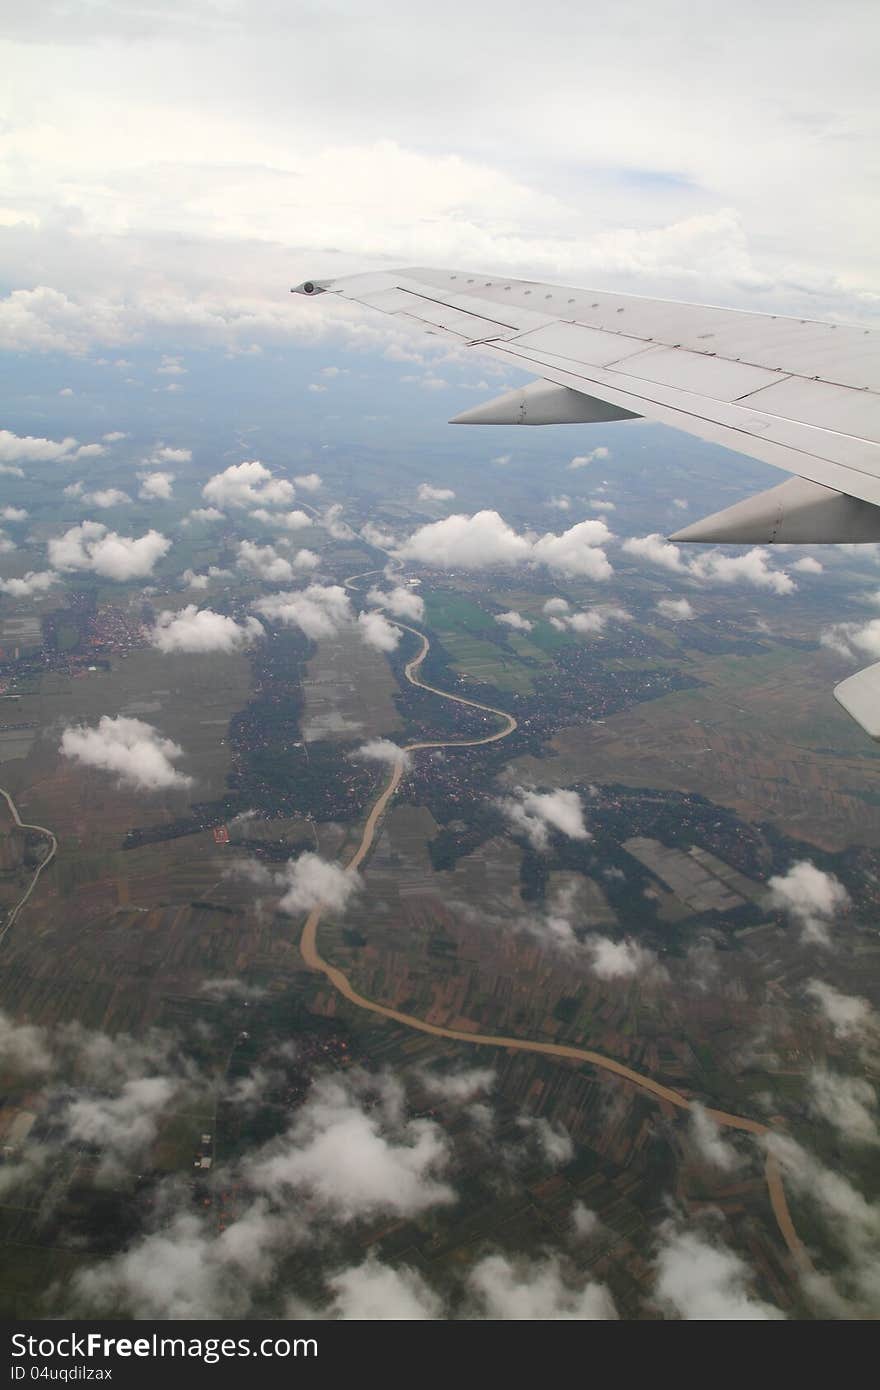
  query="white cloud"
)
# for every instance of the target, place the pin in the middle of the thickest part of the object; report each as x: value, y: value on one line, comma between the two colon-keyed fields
x: 811, y: 897
x: 136, y: 752
x: 713, y: 567
x: 309, y: 482
x: 374, y: 535
x: 583, y: 460
x: 853, y: 639
x: 74, y: 489
x: 353, y: 1154
x: 620, y: 960
x: 319, y: 610
x: 114, y: 436
x: 848, y: 1103
x: 382, y: 750
x: 248, y: 484
x: 593, y: 621
x: 459, y: 1087
x: 264, y: 562
x: 310, y: 880
x: 402, y: 602
x: 6, y: 545
x: 194, y: 630
x: 485, y: 540
x: 704, y: 1280
x: 562, y: 504
x: 678, y: 610
x: 540, y: 1290
x: 34, y: 582
x: 681, y: 503
x: 13, y: 514
x: 315, y: 388
x: 708, y: 1141
x: 156, y: 485
x: 91, y: 546
x: 377, y: 632
x: 808, y: 565
x: 124, y: 1126
x: 428, y: 493
x: 374, y: 1292
x: 751, y: 568
x: 106, y: 497
x: 656, y: 550
x: 556, y: 605
x: 849, y: 1015
x: 600, y: 505
x: 553, y: 1140
x: 296, y: 520
x: 514, y: 620
x: 170, y: 366
x: 33, y: 448
x: 537, y: 813
x: 207, y: 514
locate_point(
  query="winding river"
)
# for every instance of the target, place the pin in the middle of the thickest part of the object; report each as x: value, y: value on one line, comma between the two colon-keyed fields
x: 340, y: 981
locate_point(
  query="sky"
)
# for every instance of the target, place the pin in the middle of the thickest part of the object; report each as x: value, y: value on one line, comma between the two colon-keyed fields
x: 171, y: 169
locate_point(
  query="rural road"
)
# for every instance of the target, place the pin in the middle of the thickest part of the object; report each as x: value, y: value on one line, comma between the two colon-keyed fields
x: 53, y: 848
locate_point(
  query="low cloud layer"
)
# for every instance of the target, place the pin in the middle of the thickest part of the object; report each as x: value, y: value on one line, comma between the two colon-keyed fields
x: 249, y: 484
x: 135, y: 752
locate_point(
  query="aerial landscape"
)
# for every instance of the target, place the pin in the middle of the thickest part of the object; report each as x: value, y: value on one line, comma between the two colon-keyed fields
x: 426, y: 891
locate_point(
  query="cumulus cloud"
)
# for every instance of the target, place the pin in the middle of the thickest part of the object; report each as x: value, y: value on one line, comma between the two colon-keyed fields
x: 556, y: 606
x: 853, y: 639
x: 656, y: 550
x: 537, y: 813
x: 375, y: 1292
x: 91, y: 546
x: 202, y: 630
x: 850, y: 1016
x: 34, y: 582
x: 678, y: 610
x: 30, y: 448
x: 485, y: 540
x: 708, y: 1141
x: 593, y: 621
x: 620, y: 960
x: 561, y: 504
x: 701, y: 1279
x: 382, y: 750
x: 156, y: 485
x: 309, y: 482
x: 318, y: 611
x: 713, y: 567
x: 310, y: 880
x: 134, y: 751
x: 106, y: 497
x: 264, y: 562
x: 353, y: 1152
x: 377, y: 632
x: 427, y: 493
x: 459, y: 1087
x: 848, y: 1103
x: 374, y: 535
x: 248, y: 484
x: 14, y: 514
x: 852, y: 1225
x: 514, y: 620
x: 539, y: 1290
x: 401, y: 601
x: 207, y: 514
x: 583, y: 460
x: 811, y: 897
x: 122, y: 1126
x: 296, y: 520
x: 553, y: 1141
x: 752, y: 568
x: 808, y: 565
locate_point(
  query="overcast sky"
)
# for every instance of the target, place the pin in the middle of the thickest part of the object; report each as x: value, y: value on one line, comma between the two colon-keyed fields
x: 171, y: 168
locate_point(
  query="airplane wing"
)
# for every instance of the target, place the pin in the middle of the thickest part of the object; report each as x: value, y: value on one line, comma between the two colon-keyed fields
x: 800, y: 394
